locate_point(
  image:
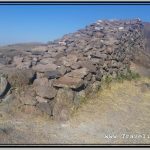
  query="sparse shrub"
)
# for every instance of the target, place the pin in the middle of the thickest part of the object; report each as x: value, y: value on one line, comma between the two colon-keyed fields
x: 130, y: 75
x: 19, y: 79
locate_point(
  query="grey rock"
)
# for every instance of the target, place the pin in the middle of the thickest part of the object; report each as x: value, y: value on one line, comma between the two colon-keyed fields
x: 52, y: 74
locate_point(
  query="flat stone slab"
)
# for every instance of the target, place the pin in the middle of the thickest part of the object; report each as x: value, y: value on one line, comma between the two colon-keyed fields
x: 68, y: 82
x: 78, y: 73
x: 44, y: 68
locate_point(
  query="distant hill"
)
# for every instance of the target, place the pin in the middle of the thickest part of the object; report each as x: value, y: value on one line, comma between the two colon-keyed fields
x: 19, y: 48
x: 23, y: 46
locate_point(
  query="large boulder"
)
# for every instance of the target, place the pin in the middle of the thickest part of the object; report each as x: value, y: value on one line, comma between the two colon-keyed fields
x: 64, y: 104
x: 44, y: 89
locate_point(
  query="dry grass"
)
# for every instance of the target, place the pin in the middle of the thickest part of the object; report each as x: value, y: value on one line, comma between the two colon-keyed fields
x: 121, y: 108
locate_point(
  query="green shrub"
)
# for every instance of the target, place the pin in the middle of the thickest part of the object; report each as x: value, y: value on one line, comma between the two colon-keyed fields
x: 130, y: 75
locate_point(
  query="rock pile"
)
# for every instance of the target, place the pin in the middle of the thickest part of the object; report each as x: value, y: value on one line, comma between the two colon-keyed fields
x: 73, y: 66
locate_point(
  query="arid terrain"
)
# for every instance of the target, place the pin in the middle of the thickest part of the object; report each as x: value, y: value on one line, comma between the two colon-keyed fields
x: 116, y: 111
x: 88, y: 87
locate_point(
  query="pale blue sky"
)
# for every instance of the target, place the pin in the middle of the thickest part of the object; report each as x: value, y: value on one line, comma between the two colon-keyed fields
x: 37, y: 23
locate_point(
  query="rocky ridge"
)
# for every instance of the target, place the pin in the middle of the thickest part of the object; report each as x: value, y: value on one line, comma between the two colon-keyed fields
x: 69, y: 68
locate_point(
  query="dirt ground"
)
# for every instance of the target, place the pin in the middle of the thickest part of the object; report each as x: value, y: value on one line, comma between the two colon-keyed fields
x: 118, y: 114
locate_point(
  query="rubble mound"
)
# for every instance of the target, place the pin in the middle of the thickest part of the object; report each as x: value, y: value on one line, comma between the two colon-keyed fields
x: 65, y: 70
